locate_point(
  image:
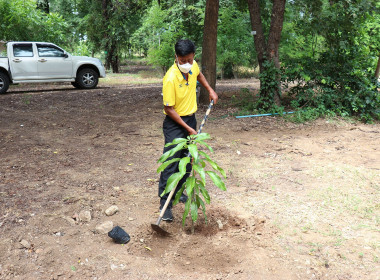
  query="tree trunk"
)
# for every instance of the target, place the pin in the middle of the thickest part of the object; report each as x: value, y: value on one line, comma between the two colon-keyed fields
x: 274, y: 39
x: 268, y: 51
x: 256, y: 23
x: 114, y: 58
x: 105, y: 7
x: 112, y: 54
x: 209, y: 47
x: 377, y: 69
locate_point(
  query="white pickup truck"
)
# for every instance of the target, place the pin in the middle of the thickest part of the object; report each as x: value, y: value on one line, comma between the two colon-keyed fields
x: 39, y: 62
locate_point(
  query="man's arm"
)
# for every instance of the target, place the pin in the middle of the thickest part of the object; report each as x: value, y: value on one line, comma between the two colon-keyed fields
x: 212, y: 94
x: 169, y: 110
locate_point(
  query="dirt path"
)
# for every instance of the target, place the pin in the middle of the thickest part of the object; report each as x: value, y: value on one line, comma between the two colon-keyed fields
x: 302, y: 200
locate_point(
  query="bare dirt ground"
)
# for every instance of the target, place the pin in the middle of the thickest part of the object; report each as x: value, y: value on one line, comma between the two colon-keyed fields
x: 303, y: 200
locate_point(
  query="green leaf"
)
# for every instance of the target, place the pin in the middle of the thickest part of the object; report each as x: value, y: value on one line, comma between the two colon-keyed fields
x: 178, y: 194
x: 202, y: 204
x: 171, y: 152
x: 194, y: 211
x: 202, y: 136
x: 182, y: 165
x: 217, y: 181
x: 212, y: 163
x: 166, y: 164
x: 176, y: 141
x: 206, y: 145
x: 186, y: 211
x: 221, y: 170
x: 172, y: 182
x: 205, y: 194
x: 199, y: 169
x: 190, y: 183
x: 193, y: 149
x: 206, y: 156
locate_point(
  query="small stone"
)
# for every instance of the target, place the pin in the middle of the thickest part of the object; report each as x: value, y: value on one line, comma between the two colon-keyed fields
x: 297, y: 168
x: 25, y: 244
x: 104, y: 227
x: 70, y: 220
x: 142, y: 240
x: 39, y: 251
x: 75, y: 216
x: 187, y: 263
x: 130, y: 218
x: 85, y: 216
x: 220, y: 224
x: 112, y: 210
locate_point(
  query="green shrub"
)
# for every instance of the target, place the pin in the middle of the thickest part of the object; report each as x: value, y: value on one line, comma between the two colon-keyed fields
x: 195, y: 184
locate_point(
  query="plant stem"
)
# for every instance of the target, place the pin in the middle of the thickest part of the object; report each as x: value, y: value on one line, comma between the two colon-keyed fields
x: 192, y: 200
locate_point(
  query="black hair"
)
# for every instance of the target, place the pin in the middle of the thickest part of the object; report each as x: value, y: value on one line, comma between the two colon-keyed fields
x: 184, y: 47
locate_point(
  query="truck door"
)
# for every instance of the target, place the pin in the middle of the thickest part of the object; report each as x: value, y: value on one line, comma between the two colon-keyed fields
x: 23, y: 62
x: 53, y: 62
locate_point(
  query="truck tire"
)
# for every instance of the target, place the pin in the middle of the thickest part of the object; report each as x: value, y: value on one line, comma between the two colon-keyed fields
x: 87, y: 78
x: 4, y: 82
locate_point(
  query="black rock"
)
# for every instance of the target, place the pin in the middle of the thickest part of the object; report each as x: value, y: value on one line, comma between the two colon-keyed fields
x: 119, y: 235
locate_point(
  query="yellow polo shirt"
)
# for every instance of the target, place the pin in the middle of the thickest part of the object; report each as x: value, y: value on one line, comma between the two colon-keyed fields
x: 179, y: 93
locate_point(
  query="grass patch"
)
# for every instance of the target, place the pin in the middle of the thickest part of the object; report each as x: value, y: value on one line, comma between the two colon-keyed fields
x: 143, y: 77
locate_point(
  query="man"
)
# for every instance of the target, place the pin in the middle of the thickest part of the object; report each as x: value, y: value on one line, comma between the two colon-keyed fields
x: 180, y: 105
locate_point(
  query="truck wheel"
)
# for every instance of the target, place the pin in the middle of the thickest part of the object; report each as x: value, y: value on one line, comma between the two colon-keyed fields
x: 4, y: 83
x: 87, y: 78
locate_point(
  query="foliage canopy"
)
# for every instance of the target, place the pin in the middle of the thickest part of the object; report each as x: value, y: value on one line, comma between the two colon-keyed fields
x: 328, y: 52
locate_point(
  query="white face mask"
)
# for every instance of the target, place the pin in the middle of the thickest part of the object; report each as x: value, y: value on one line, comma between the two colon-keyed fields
x: 184, y: 68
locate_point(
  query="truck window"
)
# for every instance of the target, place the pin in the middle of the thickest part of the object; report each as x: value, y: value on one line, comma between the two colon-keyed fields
x: 49, y: 51
x: 23, y: 50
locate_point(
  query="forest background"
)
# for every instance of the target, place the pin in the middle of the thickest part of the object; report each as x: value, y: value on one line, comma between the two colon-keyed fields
x: 326, y: 62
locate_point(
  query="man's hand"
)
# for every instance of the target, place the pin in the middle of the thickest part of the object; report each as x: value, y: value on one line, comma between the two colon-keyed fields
x: 213, y: 96
x: 169, y: 110
x: 191, y: 131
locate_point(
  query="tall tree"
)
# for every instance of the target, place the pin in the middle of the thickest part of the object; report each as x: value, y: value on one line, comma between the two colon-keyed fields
x: 21, y: 21
x: 112, y: 55
x: 209, y: 47
x: 267, y: 50
x: 43, y: 5
x: 109, y: 26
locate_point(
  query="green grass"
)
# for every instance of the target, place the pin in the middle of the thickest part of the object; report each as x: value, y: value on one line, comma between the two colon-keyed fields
x: 143, y: 77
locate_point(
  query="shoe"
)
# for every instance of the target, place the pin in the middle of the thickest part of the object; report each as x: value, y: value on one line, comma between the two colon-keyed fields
x: 168, y: 215
x: 183, y: 198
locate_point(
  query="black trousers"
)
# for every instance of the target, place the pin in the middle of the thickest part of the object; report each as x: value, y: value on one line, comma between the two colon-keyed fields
x: 171, y: 131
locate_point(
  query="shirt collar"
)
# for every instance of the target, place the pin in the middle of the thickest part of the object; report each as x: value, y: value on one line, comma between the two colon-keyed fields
x: 179, y: 74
